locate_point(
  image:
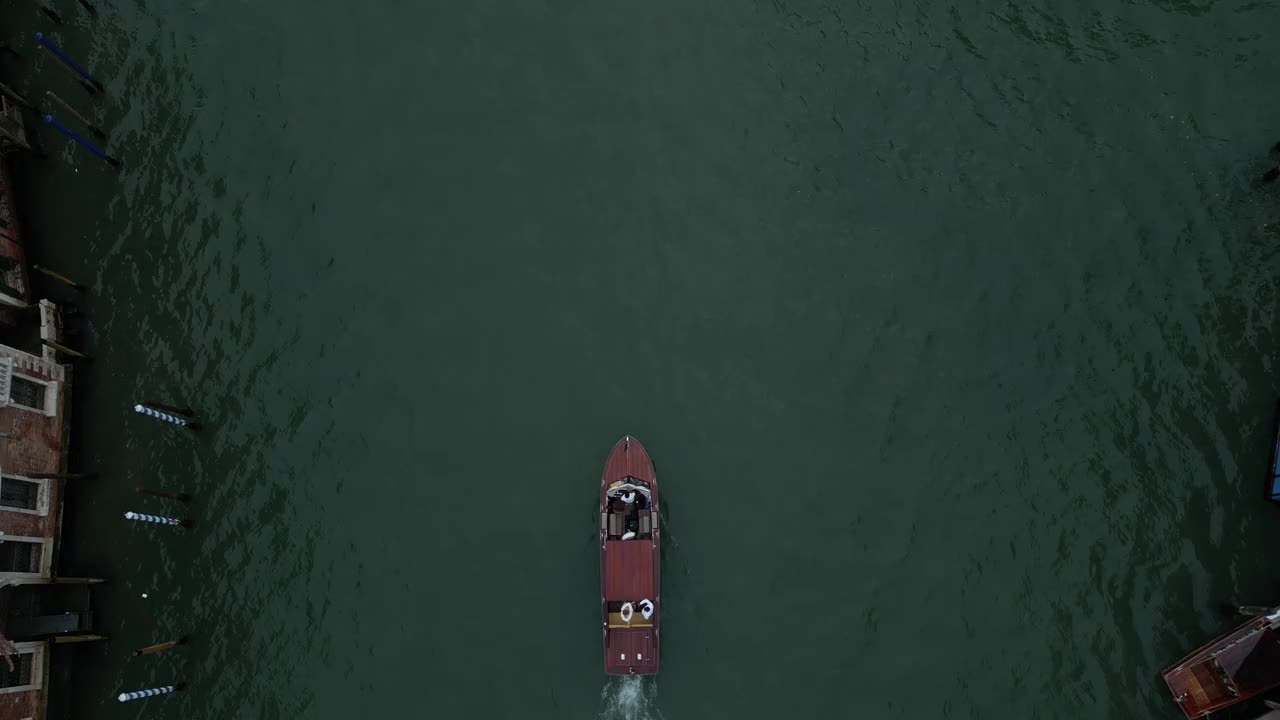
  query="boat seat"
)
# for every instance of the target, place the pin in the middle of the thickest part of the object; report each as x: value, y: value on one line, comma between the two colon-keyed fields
x: 615, y: 525
x: 637, y: 621
x: 644, y: 521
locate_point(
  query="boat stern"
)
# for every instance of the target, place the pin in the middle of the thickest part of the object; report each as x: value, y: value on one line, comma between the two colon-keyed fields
x: 631, y: 651
x: 1192, y: 696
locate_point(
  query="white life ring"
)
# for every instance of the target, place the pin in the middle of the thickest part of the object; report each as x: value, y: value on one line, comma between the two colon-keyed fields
x: 626, y: 612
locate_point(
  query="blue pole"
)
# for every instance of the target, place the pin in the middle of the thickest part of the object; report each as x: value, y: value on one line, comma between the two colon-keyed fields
x: 70, y: 63
x: 83, y: 143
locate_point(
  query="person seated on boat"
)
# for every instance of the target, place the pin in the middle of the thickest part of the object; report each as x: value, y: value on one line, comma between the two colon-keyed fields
x: 646, y: 608
x: 639, y: 499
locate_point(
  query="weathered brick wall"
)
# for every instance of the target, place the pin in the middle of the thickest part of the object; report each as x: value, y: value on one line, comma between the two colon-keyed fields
x: 28, y: 525
x: 8, y: 205
x: 34, y: 444
x: 11, y: 238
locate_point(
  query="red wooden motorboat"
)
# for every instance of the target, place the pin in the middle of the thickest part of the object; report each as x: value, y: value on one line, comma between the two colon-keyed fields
x: 1236, y: 666
x: 629, y: 592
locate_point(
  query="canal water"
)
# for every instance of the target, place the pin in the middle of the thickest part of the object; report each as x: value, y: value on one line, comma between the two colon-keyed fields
x: 951, y: 328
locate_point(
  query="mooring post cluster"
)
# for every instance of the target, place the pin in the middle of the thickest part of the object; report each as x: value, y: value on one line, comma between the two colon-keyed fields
x: 39, y: 383
x: 185, y: 418
x: 131, y: 695
x: 58, y: 107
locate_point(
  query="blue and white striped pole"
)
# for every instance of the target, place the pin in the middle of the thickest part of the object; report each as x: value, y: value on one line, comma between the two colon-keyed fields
x: 83, y: 143
x: 95, y: 85
x: 168, y: 417
x: 143, y: 517
x: 152, y: 692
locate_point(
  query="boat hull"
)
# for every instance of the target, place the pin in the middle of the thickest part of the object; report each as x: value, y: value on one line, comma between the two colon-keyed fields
x: 629, y: 568
x: 1273, y: 470
x: 1234, y: 667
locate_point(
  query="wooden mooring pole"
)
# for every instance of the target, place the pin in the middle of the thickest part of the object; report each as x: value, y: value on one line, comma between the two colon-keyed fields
x: 160, y: 647
x: 59, y: 277
x: 64, y: 349
x: 51, y: 14
x: 76, y: 114
x: 61, y: 639
x: 184, y: 410
x: 59, y: 476
x: 180, y: 497
x: 16, y: 97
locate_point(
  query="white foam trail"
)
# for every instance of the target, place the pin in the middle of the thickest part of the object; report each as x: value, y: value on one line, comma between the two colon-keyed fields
x: 629, y: 697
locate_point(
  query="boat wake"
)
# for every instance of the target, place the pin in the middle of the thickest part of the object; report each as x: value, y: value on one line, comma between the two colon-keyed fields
x: 629, y: 697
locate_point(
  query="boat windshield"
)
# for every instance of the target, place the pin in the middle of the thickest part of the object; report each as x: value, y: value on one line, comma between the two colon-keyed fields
x: 1252, y: 662
x: 618, y: 488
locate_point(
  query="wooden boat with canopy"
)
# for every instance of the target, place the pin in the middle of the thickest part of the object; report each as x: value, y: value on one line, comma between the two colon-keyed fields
x: 629, y: 590
x: 1234, y: 667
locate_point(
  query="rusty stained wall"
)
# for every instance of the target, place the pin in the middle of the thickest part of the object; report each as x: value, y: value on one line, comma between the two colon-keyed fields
x: 20, y: 705
x: 14, y: 280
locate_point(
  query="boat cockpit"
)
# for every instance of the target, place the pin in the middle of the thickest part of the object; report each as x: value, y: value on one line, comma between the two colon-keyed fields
x: 629, y: 510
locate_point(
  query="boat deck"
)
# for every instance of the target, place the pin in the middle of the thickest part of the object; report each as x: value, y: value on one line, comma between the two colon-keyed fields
x: 628, y: 570
x: 630, y: 651
x: 1233, y: 667
x: 629, y: 560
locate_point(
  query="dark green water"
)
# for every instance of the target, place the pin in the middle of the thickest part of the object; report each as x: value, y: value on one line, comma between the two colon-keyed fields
x: 951, y: 329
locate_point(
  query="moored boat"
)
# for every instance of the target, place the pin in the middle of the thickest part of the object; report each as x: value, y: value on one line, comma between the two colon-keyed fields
x: 1234, y: 667
x: 1273, y: 469
x: 630, y: 600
